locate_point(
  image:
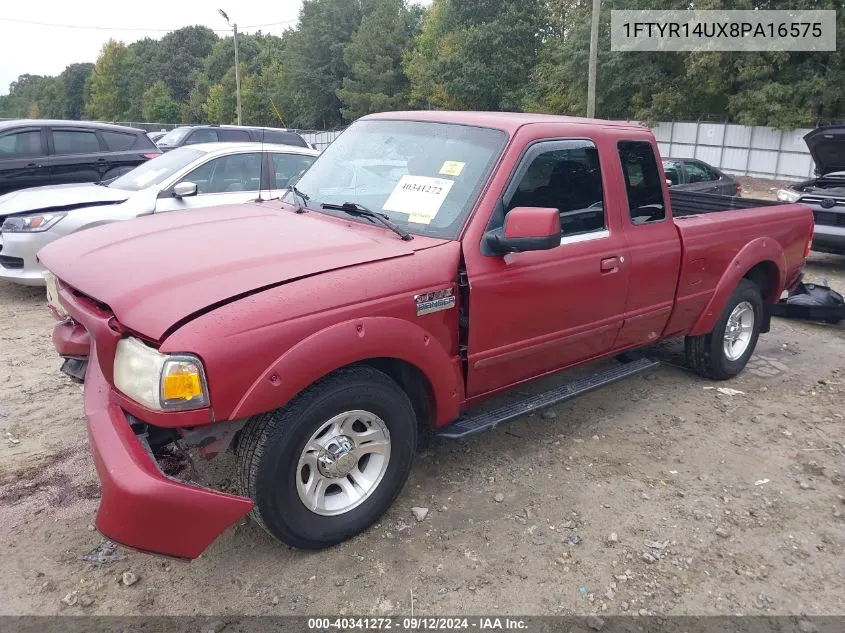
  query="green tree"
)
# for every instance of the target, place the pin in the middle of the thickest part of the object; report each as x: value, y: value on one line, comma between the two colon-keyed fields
x: 159, y: 106
x: 105, y: 101
x: 475, y: 54
x: 376, y: 81
x: 179, y: 54
x: 73, y: 79
x: 217, y: 107
x: 34, y: 96
x: 316, y: 60
x: 431, y: 44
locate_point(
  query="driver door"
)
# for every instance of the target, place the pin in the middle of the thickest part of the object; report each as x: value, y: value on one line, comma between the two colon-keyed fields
x: 232, y: 179
x: 536, y: 312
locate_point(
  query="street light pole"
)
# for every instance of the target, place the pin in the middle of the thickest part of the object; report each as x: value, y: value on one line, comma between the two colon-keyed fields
x: 237, y: 65
x: 594, y: 53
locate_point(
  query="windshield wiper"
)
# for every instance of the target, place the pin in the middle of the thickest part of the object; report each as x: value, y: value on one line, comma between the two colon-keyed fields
x: 353, y: 208
x: 297, y: 194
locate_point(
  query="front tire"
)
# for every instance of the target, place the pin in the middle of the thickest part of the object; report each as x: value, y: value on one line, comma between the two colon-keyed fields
x: 724, y: 352
x: 327, y: 465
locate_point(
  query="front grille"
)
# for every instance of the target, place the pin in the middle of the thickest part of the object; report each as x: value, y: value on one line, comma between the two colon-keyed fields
x: 825, y: 218
x: 11, y: 263
x: 839, y: 202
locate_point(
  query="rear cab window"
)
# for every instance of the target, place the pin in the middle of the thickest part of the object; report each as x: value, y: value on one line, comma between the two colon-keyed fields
x: 563, y: 175
x: 75, y: 142
x: 642, y: 182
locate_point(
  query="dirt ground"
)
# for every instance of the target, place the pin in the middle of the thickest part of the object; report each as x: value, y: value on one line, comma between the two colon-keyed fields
x: 655, y: 495
x: 761, y: 188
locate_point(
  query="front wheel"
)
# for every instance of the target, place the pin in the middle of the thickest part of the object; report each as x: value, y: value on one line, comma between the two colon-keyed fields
x: 326, y: 466
x: 724, y: 352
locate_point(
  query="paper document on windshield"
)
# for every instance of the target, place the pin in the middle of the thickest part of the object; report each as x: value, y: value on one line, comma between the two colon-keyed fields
x: 419, y: 196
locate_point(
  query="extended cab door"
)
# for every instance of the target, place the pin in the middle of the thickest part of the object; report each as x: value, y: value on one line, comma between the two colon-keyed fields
x: 535, y: 312
x: 654, y: 246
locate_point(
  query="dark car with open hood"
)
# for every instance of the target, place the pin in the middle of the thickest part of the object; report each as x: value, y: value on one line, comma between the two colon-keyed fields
x: 825, y: 194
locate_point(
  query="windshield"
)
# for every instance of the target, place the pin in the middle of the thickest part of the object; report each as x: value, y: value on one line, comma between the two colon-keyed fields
x: 174, y: 136
x: 156, y: 170
x: 423, y: 176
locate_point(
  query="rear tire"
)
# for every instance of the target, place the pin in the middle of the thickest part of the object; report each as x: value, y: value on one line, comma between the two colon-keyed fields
x: 327, y: 465
x: 724, y: 352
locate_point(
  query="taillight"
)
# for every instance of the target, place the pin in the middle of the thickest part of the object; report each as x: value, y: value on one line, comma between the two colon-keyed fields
x: 149, y: 156
x: 809, y: 246
x: 738, y: 189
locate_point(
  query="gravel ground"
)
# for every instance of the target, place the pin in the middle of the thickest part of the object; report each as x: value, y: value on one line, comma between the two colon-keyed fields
x: 655, y: 495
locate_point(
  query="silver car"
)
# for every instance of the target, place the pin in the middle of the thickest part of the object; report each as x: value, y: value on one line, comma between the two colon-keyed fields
x: 202, y: 175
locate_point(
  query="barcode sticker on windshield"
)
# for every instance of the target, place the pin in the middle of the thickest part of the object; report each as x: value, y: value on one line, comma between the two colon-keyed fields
x: 419, y: 196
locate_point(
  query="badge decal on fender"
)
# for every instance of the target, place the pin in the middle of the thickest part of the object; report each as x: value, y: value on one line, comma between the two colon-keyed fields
x: 434, y: 301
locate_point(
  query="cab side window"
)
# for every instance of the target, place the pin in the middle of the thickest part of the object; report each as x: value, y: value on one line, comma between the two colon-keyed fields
x: 642, y: 182
x: 567, y: 177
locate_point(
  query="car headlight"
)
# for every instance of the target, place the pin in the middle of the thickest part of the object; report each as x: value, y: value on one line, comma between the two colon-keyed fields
x: 31, y: 223
x: 788, y: 195
x: 164, y: 382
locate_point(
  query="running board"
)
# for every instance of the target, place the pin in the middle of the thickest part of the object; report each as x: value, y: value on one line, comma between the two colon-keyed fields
x: 488, y: 420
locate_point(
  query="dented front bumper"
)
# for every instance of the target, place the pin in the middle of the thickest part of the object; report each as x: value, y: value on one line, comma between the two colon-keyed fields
x: 141, y: 507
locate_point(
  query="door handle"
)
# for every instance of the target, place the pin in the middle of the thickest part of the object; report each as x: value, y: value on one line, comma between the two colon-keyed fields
x: 101, y: 160
x: 33, y: 166
x: 610, y: 264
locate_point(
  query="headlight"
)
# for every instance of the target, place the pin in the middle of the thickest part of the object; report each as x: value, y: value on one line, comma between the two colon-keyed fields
x: 788, y: 195
x: 163, y: 382
x: 31, y: 223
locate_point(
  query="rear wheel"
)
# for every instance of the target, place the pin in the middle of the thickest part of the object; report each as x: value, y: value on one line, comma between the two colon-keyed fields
x: 724, y: 352
x: 329, y: 464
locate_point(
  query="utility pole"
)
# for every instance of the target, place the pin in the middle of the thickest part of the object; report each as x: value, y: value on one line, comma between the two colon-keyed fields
x: 594, y: 54
x: 237, y: 76
x: 237, y: 65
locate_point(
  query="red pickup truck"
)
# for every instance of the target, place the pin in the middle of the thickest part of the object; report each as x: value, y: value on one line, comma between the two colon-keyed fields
x: 425, y: 262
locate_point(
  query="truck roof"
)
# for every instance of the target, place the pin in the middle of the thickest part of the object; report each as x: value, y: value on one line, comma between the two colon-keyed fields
x: 507, y: 121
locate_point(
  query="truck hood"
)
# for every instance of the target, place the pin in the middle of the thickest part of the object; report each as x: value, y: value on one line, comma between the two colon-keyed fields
x: 157, y: 271
x: 59, y: 197
x: 827, y: 147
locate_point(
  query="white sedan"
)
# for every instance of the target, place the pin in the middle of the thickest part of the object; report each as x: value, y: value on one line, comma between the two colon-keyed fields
x: 195, y: 176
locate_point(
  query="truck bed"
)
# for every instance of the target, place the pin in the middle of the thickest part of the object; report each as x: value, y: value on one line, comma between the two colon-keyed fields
x: 685, y: 203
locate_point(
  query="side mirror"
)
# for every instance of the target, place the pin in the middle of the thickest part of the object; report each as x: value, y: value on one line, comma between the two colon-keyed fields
x: 526, y: 229
x: 185, y: 190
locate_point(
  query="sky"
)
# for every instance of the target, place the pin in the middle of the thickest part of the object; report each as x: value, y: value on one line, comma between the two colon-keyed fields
x: 29, y: 45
